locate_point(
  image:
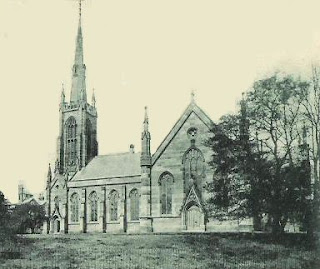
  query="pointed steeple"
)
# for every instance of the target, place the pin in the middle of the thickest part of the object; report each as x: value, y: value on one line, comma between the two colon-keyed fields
x: 93, y: 99
x: 63, y: 97
x: 79, y: 68
x: 145, y: 141
x: 49, y: 175
x: 146, y: 120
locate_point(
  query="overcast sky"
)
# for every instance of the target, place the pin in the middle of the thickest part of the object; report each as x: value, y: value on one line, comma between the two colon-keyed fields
x: 137, y: 53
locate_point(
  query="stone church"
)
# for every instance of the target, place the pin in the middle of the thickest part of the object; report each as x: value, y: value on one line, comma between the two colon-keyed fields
x: 132, y: 192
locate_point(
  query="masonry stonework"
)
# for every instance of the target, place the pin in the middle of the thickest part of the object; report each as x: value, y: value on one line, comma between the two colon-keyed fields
x: 128, y: 192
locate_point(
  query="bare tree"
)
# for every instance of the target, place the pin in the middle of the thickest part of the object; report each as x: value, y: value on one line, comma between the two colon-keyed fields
x: 311, y: 105
x: 275, y: 105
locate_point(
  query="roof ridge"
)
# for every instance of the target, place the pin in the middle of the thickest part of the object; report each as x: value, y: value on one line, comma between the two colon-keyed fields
x: 117, y: 153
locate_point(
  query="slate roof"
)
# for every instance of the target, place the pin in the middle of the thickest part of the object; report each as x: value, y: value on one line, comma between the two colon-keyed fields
x: 33, y: 200
x: 111, y: 166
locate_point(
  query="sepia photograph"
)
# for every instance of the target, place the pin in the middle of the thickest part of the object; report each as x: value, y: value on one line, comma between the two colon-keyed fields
x: 160, y: 134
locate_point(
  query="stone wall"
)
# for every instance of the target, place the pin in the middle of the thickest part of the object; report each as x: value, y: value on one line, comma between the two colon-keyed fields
x: 104, y: 222
x: 171, y: 161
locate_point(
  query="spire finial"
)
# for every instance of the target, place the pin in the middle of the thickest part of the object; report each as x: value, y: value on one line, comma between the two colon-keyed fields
x: 192, y: 96
x: 80, y: 9
x: 146, y: 119
x: 49, y: 175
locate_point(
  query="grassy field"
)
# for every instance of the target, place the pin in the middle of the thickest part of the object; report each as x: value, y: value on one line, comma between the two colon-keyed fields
x: 156, y: 251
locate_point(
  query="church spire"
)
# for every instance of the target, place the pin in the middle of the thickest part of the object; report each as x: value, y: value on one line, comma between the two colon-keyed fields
x: 79, y: 68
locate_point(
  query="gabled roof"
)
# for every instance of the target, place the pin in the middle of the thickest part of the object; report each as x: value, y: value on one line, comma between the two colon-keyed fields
x: 192, y: 198
x: 192, y: 108
x: 110, y: 166
x: 33, y: 200
x: 56, y: 178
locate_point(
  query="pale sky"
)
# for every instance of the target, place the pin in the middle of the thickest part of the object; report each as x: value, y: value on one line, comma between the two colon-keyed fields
x: 137, y: 53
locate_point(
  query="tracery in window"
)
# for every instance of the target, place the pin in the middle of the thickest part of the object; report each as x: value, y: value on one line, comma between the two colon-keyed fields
x: 71, y: 141
x: 134, y: 204
x: 89, y: 143
x: 166, y: 186
x: 93, y: 206
x: 74, y: 207
x: 193, y: 164
x: 113, y: 201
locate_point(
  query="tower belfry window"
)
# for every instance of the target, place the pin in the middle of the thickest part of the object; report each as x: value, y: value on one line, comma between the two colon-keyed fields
x: 71, y: 141
x: 89, y: 143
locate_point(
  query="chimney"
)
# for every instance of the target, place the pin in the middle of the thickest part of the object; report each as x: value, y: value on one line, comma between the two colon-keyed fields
x: 131, y: 148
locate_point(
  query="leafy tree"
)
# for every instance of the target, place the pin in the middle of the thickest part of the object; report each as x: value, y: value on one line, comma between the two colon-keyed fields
x: 223, y: 161
x: 275, y: 105
x: 237, y: 188
x: 28, y: 216
x: 4, y: 214
x: 257, y: 156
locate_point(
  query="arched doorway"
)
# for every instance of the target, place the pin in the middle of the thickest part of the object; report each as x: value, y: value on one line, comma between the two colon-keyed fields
x: 193, y: 218
x: 56, y: 225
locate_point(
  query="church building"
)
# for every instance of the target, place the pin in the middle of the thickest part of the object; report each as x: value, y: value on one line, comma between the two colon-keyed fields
x: 132, y: 192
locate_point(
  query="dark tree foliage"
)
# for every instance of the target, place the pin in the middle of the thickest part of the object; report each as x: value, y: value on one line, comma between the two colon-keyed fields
x: 4, y: 214
x: 238, y: 189
x: 28, y: 216
x: 260, y: 163
x: 275, y: 111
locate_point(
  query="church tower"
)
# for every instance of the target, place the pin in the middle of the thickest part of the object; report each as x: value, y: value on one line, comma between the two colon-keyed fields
x: 77, y: 141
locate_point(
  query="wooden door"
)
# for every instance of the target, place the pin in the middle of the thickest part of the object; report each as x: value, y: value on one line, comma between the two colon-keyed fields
x: 193, y: 218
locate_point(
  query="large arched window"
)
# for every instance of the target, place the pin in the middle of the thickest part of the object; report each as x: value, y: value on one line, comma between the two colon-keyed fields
x: 74, y: 207
x: 56, y: 203
x: 113, y: 201
x: 134, y: 204
x: 89, y: 140
x: 166, y: 185
x: 193, y: 164
x: 93, y: 206
x: 71, y: 141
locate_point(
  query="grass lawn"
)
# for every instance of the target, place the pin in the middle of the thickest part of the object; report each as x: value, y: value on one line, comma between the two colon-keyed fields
x: 155, y: 251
